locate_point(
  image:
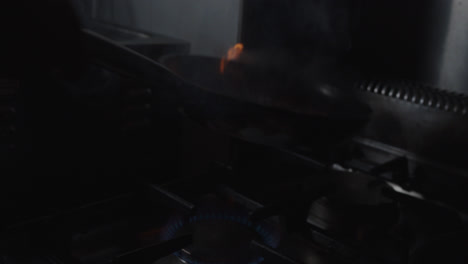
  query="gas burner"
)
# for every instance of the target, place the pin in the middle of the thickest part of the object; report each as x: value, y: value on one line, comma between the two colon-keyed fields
x: 222, y: 233
x: 185, y: 257
x: 262, y: 230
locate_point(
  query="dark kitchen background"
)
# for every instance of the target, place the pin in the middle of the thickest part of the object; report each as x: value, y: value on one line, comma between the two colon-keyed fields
x: 234, y: 131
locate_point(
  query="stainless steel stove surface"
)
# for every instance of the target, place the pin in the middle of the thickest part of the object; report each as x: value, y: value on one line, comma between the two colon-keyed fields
x: 326, y: 215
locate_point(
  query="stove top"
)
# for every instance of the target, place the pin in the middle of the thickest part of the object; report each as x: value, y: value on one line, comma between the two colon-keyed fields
x: 334, y: 214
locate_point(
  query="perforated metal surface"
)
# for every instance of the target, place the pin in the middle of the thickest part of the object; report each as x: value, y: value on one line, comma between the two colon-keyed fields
x: 419, y: 94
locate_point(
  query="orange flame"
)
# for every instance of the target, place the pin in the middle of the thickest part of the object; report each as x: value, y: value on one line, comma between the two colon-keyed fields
x: 232, y: 54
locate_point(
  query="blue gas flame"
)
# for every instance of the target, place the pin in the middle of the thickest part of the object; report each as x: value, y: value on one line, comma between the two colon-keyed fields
x: 266, y: 233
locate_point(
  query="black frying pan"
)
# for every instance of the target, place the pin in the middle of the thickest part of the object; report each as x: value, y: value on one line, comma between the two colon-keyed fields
x: 258, y: 104
x: 268, y: 105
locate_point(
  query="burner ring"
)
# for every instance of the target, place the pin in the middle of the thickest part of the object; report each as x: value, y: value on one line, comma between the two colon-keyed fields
x: 266, y: 235
x: 187, y: 259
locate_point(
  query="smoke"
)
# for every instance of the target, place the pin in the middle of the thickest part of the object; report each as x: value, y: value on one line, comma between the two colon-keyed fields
x: 323, y: 24
x: 211, y: 26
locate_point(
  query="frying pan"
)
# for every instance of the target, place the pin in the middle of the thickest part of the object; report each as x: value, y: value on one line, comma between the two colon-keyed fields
x: 258, y: 104
x: 282, y: 108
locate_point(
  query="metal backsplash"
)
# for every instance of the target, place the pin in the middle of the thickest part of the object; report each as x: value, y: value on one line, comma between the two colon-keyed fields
x: 425, y: 41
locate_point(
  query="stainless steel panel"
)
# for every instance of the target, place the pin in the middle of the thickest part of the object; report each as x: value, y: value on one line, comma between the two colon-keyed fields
x: 420, y: 40
x: 428, y: 122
